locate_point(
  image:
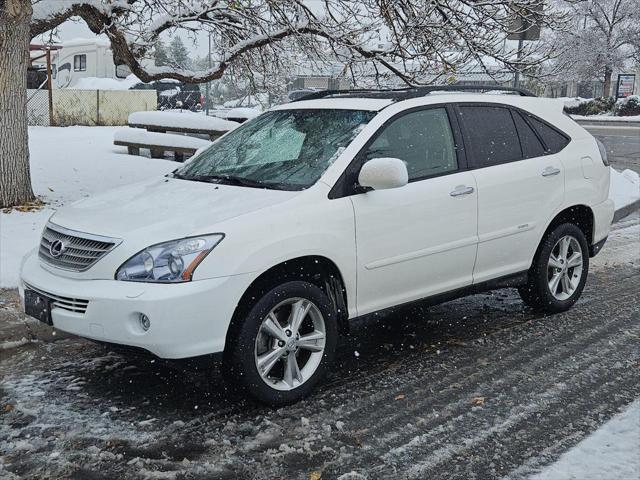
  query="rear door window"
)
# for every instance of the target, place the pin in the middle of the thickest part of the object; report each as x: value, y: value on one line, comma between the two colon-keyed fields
x: 490, y: 135
x: 531, y: 146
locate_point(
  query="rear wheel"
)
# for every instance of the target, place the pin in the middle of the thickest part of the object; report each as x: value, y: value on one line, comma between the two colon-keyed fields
x: 285, y: 345
x: 559, y: 271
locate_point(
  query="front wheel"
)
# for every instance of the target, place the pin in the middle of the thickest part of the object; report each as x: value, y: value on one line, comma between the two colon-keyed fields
x: 559, y: 271
x: 285, y: 345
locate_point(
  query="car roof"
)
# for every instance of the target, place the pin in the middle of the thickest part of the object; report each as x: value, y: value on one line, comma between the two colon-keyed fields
x: 376, y: 100
x: 534, y: 104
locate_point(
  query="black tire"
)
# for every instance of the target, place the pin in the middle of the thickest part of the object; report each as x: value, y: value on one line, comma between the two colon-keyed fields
x: 537, y: 293
x: 239, y: 360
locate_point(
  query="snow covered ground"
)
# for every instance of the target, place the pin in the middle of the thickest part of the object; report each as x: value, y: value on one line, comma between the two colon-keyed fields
x: 74, y: 162
x: 610, y: 453
x: 624, y: 187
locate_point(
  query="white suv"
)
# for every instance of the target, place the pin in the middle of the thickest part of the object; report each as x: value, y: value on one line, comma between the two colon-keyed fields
x: 262, y: 247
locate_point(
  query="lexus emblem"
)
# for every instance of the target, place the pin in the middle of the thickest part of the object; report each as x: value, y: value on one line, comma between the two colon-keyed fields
x: 57, y: 248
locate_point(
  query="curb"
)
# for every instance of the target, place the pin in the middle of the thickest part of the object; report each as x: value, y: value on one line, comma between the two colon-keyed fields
x: 625, y: 211
x: 608, y: 123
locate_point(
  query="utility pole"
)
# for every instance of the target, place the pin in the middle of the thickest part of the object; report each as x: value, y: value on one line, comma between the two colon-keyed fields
x: 524, y: 28
x: 207, y: 87
x: 516, y: 78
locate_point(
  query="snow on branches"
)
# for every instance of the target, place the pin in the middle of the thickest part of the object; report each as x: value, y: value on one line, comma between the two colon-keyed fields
x: 604, y: 36
x: 410, y: 39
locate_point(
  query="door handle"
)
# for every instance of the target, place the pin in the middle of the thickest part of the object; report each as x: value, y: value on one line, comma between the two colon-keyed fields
x: 550, y: 171
x: 461, y: 190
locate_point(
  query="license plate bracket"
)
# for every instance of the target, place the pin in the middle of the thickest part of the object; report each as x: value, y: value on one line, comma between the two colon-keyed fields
x: 37, y: 306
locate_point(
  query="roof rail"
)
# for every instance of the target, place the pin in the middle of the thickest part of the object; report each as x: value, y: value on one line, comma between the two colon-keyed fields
x: 398, y: 94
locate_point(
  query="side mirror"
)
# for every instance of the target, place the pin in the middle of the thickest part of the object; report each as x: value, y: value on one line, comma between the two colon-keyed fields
x: 383, y: 173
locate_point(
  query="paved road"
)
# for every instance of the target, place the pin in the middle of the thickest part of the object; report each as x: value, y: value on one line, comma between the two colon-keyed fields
x: 476, y: 388
x: 622, y: 143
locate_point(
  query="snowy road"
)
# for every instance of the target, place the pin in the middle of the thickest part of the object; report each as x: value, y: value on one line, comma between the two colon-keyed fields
x: 622, y: 143
x: 476, y: 388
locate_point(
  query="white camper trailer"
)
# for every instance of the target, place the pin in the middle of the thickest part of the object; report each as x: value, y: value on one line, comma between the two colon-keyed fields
x: 83, y: 58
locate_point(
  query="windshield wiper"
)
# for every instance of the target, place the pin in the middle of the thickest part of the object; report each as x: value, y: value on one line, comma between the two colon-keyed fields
x: 230, y: 180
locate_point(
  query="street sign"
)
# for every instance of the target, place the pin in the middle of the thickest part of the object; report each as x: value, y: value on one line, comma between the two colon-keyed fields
x: 626, y: 83
x: 526, y: 27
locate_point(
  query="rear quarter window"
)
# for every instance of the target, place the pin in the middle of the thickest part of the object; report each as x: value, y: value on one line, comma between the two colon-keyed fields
x: 531, y: 145
x: 554, y: 141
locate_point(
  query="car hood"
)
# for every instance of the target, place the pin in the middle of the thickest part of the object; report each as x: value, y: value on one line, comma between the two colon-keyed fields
x: 165, y: 208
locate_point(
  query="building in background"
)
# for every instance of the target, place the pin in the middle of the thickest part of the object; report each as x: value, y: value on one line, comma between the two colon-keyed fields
x: 589, y: 88
x: 84, y: 58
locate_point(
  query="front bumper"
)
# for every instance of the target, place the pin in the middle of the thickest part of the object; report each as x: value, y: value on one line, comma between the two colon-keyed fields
x: 187, y: 319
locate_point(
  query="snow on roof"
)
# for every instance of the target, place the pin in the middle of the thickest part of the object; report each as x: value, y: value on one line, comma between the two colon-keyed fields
x: 96, y: 83
x: 181, y: 119
x: 376, y: 104
x: 99, y: 40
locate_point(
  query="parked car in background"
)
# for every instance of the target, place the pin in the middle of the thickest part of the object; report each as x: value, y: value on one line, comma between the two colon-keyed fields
x: 36, y: 77
x: 264, y: 246
x: 174, y: 94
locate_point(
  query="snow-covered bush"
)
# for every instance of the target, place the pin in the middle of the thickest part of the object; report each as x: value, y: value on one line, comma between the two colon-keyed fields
x: 628, y: 106
x: 597, y: 106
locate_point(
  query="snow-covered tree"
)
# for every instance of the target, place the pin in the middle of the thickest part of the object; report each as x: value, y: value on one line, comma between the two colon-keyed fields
x: 604, y: 36
x: 404, y: 37
x: 179, y: 54
x: 160, y: 54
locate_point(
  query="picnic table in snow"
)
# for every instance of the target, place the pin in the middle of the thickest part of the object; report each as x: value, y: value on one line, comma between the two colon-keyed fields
x: 182, y: 122
x: 158, y: 143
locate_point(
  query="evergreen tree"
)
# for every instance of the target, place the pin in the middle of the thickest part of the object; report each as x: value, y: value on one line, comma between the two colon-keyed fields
x: 179, y: 54
x: 161, y: 55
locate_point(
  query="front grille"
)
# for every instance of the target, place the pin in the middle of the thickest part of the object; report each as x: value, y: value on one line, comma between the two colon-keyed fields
x: 79, y: 251
x: 76, y: 305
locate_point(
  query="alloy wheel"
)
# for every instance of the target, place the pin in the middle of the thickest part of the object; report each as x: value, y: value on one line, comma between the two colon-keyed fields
x: 290, y: 344
x: 564, y: 269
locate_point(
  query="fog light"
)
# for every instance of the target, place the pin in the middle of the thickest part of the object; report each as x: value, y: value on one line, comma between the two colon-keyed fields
x: 145, y: 323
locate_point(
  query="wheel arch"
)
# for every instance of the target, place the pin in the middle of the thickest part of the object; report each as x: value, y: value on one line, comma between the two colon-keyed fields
x: 316, y: 269
x: 579, y: 215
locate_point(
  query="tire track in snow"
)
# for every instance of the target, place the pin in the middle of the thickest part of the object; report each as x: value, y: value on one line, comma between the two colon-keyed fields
x: 466, y: 370
x: 555, y: 393
x: 604, y: 329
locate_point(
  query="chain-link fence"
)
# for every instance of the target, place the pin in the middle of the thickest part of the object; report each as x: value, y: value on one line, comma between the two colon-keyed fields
x: 86, y: 107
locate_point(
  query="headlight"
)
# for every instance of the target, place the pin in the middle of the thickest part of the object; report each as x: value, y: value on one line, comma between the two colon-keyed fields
x: 168, y: 262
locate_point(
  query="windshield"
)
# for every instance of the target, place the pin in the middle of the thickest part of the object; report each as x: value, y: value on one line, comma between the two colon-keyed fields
x: 286, y: 149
